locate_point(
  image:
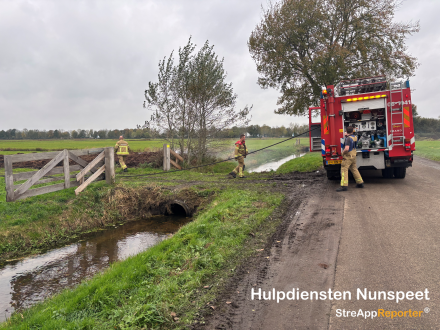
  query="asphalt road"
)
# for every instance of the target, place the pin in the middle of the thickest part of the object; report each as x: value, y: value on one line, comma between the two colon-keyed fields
x: 390, y: 241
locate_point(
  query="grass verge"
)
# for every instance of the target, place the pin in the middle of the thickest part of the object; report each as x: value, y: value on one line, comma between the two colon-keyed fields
x: 428, y: 149
x: 307, y: 163
x: 143, y: 291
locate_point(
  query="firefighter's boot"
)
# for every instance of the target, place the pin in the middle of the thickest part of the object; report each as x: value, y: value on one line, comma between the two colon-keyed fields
x: 342, y: 188
x: 233, y: 174
x: 360, y: 185
x: 125, y: 169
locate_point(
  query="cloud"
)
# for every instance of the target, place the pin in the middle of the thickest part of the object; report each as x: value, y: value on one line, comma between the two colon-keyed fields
x: 69, y: 64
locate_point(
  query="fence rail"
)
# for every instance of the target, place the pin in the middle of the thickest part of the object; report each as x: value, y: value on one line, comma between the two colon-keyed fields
x: 103, y: 163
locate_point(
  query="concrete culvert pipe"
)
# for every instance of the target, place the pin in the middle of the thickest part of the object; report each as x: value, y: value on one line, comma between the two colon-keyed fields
x: 179, y: 208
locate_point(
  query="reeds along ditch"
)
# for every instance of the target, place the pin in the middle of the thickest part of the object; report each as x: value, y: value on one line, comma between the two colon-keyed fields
x: 95, y: 209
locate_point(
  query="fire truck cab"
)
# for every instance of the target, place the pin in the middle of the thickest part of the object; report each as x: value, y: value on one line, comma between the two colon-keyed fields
x: 380, y: 113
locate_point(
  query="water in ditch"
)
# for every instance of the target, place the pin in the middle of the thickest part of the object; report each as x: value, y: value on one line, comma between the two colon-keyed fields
x: 273, y: 165
x: 25, y: 282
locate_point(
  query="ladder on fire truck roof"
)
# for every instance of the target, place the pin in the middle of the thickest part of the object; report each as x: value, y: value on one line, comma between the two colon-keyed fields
x: 361, y: 85
x: 396, y: 108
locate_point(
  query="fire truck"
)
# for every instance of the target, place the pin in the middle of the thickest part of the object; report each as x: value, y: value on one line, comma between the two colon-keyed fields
x: 380, y: 113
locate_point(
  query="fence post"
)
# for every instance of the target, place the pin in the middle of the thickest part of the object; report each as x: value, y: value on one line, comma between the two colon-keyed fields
x: 109, y: 165
x: 66, y: 170
x: 9, y: 180
x: 166, y: 157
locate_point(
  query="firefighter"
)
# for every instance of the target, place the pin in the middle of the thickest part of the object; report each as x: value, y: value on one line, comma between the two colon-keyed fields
x: 349, y: 161
x: 240, y: 154
x: 122, y: 150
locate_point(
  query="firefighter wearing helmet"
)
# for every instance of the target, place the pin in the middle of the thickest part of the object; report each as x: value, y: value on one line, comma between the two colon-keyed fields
x: 122, y: 151
x: 240, y: 154
x: 349, y: 161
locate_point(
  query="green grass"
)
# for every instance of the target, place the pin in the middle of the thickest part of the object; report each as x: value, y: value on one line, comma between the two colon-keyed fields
x: 31, y: 224
x: 47, y: 145
x: 142, y: 291
x: 221, y: 149
x: 31, y: 209
x: 22, y: 220
x: 428, y: 149
x: 9, y: 152
x: 308, y: 163
x: 224, y: 146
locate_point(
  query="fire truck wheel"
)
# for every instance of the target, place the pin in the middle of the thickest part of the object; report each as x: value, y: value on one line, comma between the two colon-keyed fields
x: 399, y: 172
x: 388, y: 173
x: 333, y: 175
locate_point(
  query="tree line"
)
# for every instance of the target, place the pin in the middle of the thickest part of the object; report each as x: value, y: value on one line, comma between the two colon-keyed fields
x: 254, y: 131
x: 35, y: 134
x: 422, y: 125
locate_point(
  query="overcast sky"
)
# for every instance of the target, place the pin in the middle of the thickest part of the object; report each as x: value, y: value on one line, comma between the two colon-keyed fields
x: 85, y: 64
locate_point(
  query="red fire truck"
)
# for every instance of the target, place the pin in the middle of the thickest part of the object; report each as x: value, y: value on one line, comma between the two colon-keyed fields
x: 381, y: 115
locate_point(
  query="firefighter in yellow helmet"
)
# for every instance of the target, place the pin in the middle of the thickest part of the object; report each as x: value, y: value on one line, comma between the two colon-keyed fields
x: 122, y: 150
x: 240, y: 154
x: 349, y: 161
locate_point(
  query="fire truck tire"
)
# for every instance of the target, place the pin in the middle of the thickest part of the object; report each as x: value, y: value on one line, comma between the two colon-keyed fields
x: 388, y: 173
x: 333, y: 175
x: 399, y: 172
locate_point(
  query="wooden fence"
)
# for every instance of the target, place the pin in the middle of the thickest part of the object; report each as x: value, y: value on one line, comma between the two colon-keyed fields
x: 104, y: 163
x: 167, y: 161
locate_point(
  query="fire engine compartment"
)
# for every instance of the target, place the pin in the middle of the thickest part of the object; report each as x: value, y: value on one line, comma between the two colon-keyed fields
x: 369, y: 126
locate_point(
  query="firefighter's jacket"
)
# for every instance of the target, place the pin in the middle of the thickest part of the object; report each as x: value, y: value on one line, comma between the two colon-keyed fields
x: 351, y: 141
x: 122, y: 148
x: 240, y: 149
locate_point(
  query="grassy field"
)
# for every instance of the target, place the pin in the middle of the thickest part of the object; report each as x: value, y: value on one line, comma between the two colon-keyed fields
x: 223, y: 147
x: 309, y: 162
x: 48, y: 145
x: 428, y: 149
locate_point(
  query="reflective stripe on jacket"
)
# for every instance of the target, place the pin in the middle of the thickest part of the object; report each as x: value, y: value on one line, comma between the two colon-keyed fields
x: 240, y: 149
x: 122, y: 148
